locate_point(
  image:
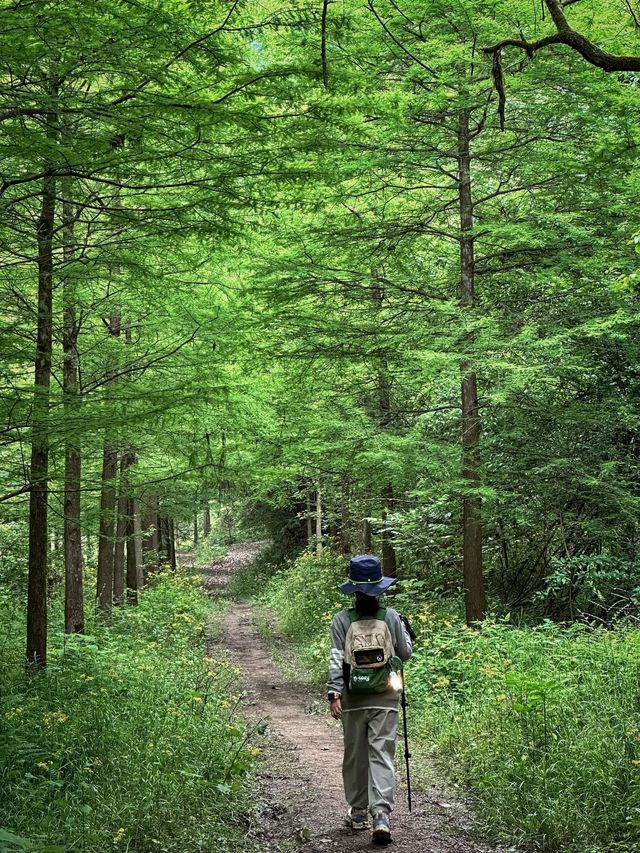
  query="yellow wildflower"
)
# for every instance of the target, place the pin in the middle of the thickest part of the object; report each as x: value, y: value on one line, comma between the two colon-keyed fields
x: 54, y: 717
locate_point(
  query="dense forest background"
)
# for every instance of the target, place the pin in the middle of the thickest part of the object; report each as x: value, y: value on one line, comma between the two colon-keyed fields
x: 349, y: 276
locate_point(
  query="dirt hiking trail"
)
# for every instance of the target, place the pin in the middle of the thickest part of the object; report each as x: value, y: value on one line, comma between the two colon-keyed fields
x: 301, y: 800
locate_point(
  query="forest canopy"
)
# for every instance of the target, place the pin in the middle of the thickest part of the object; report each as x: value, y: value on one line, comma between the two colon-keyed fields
x: 360, y: 274
x: 254, y: 251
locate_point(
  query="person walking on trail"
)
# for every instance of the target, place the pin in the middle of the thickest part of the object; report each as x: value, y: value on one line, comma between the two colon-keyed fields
x: 369, y: 644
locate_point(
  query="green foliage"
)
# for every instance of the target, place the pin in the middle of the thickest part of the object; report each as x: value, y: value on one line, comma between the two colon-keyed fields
x: 541, y: 723
x: 253, y: 579
x: 128, y: 741
x: 208, y: 550
x: 282, y: 253
x: 304, y: 594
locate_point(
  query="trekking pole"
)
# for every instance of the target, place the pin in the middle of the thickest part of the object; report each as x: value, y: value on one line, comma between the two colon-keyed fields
x: 407, y: 754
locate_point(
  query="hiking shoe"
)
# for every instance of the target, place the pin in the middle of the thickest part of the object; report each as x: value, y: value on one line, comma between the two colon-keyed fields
x: 381, y: 828
x: 357, y: 819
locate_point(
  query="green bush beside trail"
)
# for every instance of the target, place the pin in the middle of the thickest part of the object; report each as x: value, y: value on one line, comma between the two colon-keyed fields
x: 126, y: 742
x: 541, y: 723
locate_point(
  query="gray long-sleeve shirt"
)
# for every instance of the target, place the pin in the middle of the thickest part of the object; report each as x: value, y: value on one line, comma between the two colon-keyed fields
x: 358, y: 701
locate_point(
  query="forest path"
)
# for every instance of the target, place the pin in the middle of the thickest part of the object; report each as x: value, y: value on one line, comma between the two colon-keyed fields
x: 301, y: 797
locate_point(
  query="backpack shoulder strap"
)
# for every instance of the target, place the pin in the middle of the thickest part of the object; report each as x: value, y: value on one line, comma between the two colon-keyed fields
x: 354, y: 616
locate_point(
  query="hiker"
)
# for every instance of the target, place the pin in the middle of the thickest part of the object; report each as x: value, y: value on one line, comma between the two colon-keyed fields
x: 368, y: 645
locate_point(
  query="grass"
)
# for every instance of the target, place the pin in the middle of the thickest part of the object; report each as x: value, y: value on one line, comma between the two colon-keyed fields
x: 541, y: 724
x: 128, y: 741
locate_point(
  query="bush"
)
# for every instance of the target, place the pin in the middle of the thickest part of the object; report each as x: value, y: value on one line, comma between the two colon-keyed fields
x: 304, y: 594
x: 126, y: 741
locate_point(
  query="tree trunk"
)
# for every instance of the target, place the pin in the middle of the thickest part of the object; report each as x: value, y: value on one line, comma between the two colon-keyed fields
x: 104, y: 583
x: 389, y: 565
x: 195, y: 529
x: 206, y: 521
x: 389, y: 562
x: 150, y: 531
x: 345, y: 516
x: 73, y: 598
x: 367, y: 537
x: 172, y: 543
x: 318, y: 523
x: 137, y: 540
x: 132, y: 566
x: 309, y: 521
x: 475, y: 602
x: 39, y: 469
x: 163, y: 545
x: 119, y: 567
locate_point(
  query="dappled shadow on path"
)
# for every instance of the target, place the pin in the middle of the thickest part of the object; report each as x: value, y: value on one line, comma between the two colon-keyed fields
x: 217, y: 575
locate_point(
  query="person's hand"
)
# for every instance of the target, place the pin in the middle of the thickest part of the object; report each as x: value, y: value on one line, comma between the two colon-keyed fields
x: 336, y: 709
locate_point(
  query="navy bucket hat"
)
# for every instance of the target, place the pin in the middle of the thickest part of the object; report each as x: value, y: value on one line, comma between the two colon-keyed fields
x: 365, y: 575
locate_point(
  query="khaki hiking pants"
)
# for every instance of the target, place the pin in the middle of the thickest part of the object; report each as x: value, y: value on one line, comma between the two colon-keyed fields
x: 367, y: 766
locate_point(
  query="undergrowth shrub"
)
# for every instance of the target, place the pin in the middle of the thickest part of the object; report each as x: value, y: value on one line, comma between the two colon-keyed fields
x: 304, y: 595
x: 208, y: 550
x: 541, y: 723
x: 126, y: 742
x: 251, y: 579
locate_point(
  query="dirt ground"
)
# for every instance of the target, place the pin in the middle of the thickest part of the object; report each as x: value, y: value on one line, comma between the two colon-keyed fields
x: 301, y: 801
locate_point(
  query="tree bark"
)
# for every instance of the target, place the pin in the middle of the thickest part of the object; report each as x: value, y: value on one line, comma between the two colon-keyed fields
x: 132, y: 566
x: 367, y: 537
x: 345, y: 516
x: 318, y: 523
x: 39, y: 469
x: 163, y: 540
x: 389, y: 563
x: 565, y: 34
x: 104, y: 582
x: 172, y: 543
x: 195, y: 529
x: 74, y: 597
x: 206, y: 521
x: 137, y: 540
x: 323, y: 43
x: 119, y: 567
x: 475, y: 601
x: 309, y: 521
x: 150, y: 531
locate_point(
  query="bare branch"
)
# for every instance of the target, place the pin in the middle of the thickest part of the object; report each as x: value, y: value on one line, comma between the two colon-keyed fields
x: 566, y: 35
x: 21, y: 491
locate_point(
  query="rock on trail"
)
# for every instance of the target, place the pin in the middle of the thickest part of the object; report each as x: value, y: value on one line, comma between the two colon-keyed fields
x: 301, y: 796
